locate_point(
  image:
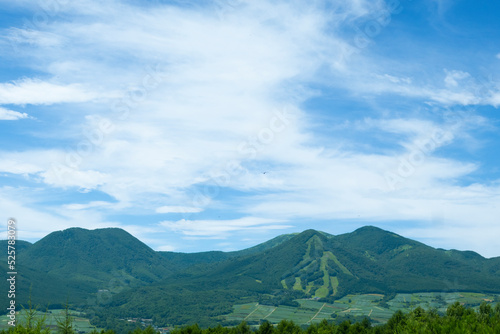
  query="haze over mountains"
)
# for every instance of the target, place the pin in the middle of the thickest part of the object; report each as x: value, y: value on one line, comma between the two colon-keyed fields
x: 176, y: 288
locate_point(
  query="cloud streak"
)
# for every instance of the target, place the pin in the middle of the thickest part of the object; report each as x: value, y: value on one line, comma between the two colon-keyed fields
x: 255, y: 118
x: 34, y: 91
x: 11, y: 115
x: 220, y: 228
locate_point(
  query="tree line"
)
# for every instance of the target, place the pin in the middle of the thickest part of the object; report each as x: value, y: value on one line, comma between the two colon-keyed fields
x: 458, y: 319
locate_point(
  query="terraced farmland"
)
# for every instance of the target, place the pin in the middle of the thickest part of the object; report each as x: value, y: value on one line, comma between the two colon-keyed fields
x: 79, y: 322
x: 366, y: 305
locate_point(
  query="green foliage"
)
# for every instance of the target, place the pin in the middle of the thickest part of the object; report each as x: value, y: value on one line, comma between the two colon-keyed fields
x: 78, y: 262
x: 65, y: 325
x: 288, y: 327
x: 91, y: 256
x: 176, y: 288
x: 458, y: 319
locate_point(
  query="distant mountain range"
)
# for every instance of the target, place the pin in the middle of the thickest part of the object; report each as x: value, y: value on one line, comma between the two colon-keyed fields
x: 110, y: 271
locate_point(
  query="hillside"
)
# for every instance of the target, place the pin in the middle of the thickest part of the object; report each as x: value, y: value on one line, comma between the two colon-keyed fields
x: 185, y: 260
x: 177, y: 288
x: 45, y: 288
x: 75, y: 263
x: 20, y: 245
x: 89, y: 260
x: 312, y: 264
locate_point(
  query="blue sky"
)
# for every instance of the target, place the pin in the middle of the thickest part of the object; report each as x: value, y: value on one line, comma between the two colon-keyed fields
x: 221, y: 124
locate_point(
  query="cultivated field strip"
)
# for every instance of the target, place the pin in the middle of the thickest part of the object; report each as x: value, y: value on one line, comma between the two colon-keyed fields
x: 367, y: 305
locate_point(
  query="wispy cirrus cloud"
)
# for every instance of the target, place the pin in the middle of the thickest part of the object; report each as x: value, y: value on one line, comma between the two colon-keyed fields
x: 94, y: 204
x: 254, y: 118
x: 31, y: 37
x: 178, y: 209
x: 11, y: 115
x: 34, y: 91
x: 221, y: 228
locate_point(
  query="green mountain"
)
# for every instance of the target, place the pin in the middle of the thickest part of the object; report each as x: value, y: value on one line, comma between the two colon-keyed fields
x: 264, y: 246
x: 177, y: 288
x: 91, y: 255
x: 80, y: 262
x: 20, y: 245
x: 45, y: 288
x: 310, y: 265
x: 185, y: 260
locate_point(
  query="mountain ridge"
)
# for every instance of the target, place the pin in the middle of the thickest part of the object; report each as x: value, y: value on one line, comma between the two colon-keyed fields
x: 260, y: 246
x: 175, y: 288
x: 314, y: 265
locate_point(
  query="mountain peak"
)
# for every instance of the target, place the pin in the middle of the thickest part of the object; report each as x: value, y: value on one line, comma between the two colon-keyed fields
x: 370, y: 229
x: 309, y: 232
x: 374, y: 232
x: 312, y: 232
x: 105, y: 230
x: 105, y: 252
x: 310, y: 264
x: 304, y: 237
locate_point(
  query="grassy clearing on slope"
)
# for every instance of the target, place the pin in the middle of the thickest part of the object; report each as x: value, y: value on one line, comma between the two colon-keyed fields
x: 337, y: 262
x: 356, y: 305
x: 335, y: 283
x: 323, y: 291
x: 298, y: 284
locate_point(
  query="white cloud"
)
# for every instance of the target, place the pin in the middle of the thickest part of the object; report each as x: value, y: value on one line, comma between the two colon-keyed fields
x: 494, y: 99
x: 364, y: 79
x: 193, y: 98
x: 18, y: 167
x: 453, y: 77
x: 26, y: 162
x: 94, y: 204
x: 397, y: 80
x: 178, y: 209
x: 35, y: 220
x: 448, y: 97
x: 33, y: 37
x: 10, y: 115
x: 33, y: 91
x: 166, y: 248
x: 64, y: 176
x: 448, y: 235
x: 214, y: 96
x: 220, y: 228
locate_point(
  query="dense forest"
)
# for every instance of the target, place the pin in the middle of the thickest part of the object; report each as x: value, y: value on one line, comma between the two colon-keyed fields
x: 110, y: 275
x: 458, y: 319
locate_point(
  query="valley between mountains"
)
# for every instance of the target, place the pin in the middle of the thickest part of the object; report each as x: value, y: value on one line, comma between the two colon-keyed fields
x: 111, y: 276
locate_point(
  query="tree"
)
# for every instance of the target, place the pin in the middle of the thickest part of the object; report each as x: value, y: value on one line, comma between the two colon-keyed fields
x: 65, y: 325
x: 455, y: 310
x: 288, y: 327
x: 242, y: 328
x: 397, y: 320
x: 497, y: 310
x: 343, y: 328
x: 325, y: 327
x: 366, y: 323
x: 485, y: 312
x: 265, y: 328
x: 34, y: 323
x: 149, y: 330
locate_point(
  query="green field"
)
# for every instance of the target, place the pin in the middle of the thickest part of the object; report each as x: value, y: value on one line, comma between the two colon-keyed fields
x: 367, y: 305
x: 52, y: 316
x: 312, y: 310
